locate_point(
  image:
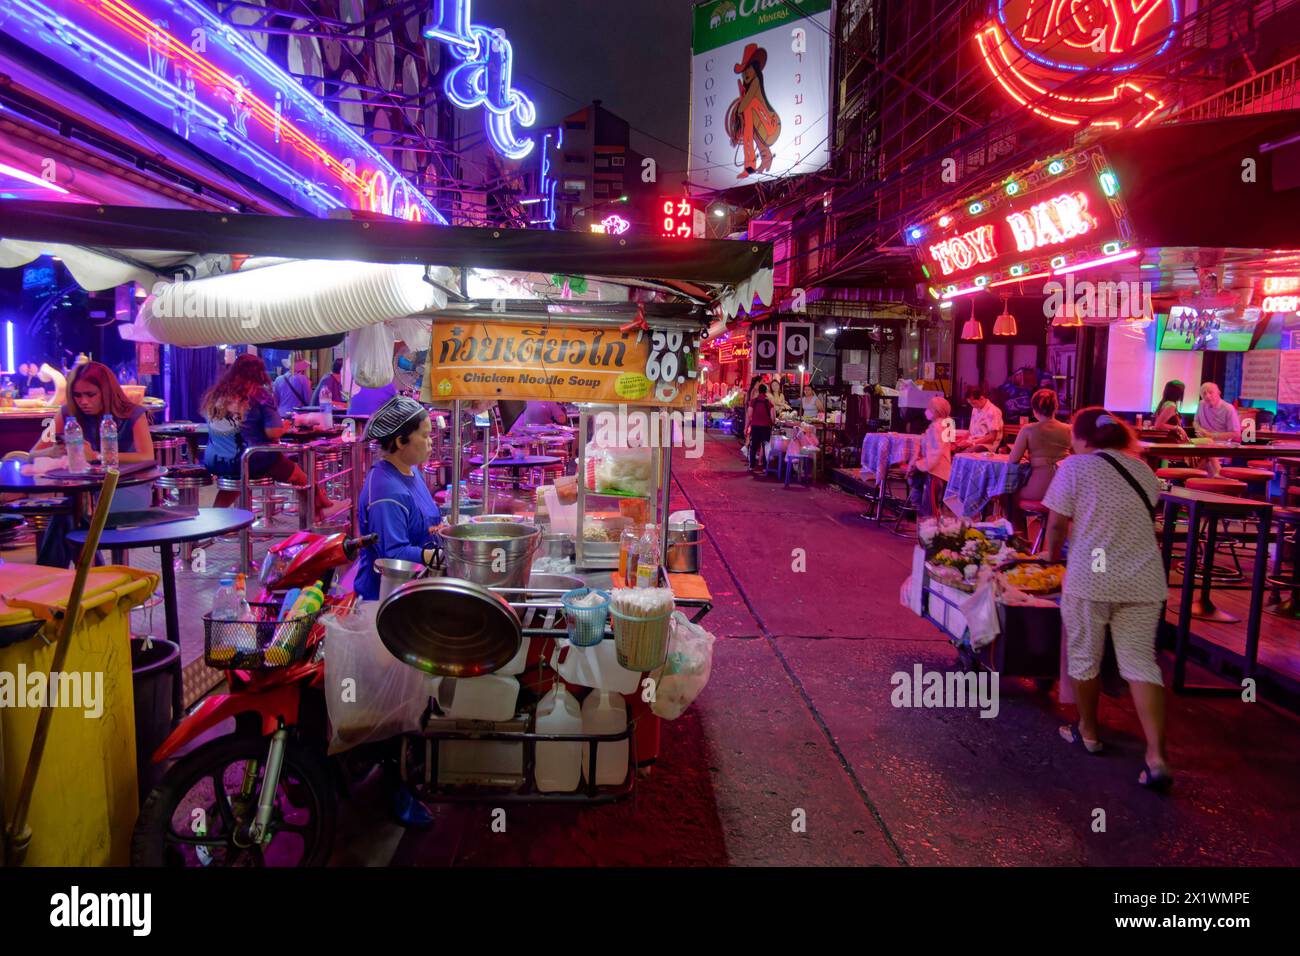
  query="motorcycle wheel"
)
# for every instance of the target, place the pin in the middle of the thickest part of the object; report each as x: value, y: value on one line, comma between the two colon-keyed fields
x: 197, y: 814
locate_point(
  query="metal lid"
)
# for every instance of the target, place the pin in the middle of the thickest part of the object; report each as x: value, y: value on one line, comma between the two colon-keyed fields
x: 449, y: 627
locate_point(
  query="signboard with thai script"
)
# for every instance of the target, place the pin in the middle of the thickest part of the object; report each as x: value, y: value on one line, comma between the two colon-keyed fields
x: 1060, y: 216
x: 474, y: 359
x: 1288, y: 380
x: 760, y: 91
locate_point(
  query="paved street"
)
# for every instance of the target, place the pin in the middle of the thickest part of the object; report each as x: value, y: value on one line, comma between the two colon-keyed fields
x: 797, y: 717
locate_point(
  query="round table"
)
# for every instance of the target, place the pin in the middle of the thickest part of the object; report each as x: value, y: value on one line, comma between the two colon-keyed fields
x: 13, y: 481
x: 977, y: 478
x: 209, y: 523
x: 518, y: 465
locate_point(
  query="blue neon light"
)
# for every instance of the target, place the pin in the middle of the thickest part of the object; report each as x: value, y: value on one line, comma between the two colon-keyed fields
x: 483, y: 77
x: 1078, y: 68
x: 79, y: 36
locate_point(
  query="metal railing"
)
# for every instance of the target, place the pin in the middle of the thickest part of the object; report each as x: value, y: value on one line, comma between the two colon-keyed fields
x: 1275, y: 89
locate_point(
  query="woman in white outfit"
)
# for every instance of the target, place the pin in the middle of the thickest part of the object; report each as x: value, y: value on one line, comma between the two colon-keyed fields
x: 1103, y: 497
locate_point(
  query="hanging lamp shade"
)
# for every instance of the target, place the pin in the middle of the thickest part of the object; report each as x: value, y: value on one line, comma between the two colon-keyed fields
x: 1005, y: 324
x: 1068, y: 316
x: 971, y: 330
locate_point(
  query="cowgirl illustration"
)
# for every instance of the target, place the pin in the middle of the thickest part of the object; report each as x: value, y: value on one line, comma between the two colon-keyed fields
x: 751, y: 120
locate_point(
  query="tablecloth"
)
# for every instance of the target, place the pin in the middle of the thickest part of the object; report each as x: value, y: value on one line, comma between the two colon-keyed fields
x: 977, y: 479
x: 882, y: 449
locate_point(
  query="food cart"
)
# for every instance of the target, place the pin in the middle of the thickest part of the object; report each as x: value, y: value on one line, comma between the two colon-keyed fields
x: 626, y: 345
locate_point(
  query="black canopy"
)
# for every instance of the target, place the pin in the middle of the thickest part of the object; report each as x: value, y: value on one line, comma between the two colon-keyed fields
x: 707, y: 261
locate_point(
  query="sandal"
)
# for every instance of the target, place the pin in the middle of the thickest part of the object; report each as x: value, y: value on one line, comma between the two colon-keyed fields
x: 1072, y: 735
x: 1157, y: 780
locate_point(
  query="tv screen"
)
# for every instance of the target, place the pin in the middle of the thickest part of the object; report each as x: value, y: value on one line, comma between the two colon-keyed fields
x: 1209, y: 330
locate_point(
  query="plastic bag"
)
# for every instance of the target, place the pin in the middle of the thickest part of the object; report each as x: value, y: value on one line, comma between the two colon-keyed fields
x: 371, y: 351
x: 981, y: 613
x: 625, y: 471
x: 370, y: 694
x: 690, y: 659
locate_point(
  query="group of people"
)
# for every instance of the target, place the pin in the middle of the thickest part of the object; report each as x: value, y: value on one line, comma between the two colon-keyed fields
x: 1100, y: 497
x: 765, y: 403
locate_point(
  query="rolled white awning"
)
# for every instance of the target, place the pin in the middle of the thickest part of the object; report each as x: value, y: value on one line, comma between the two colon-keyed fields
x: 292, y: 300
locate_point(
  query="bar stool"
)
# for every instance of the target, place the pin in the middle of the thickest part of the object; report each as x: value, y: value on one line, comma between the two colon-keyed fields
x: 1178, y: 476
x: 38, y: 512
x: 169, y: 452
x: 1286, y: 518
x: 1036, y: 509
x: 1203, y: 607
x: 330, y: 472
x: 180, y: 486
x: 1256, y: 479
x: 261, y: 496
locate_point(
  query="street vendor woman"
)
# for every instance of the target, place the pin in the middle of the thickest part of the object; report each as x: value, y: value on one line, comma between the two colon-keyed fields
x: 395, y: 502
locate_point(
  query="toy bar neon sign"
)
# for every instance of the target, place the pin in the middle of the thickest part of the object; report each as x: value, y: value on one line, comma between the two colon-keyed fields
x: 962, y: 252
x: 1033, y: 48
x: 1052, y: 223
x: 483, y: 76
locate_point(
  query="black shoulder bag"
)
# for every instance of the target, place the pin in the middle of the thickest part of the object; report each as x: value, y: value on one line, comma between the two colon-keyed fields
x: 1133, y: 483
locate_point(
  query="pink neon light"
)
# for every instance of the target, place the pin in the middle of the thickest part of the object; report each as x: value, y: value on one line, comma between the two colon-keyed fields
x: 1036, y: 275
x: 6, y: 170
x: 961, y: 292
x: 1131, y: 254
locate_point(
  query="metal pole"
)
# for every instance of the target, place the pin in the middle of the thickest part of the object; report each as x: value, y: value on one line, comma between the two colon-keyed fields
x: 455, y: 462
x: 666, y: 474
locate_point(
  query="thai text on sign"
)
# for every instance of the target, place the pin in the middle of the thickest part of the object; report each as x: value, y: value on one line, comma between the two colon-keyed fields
x: 519, y: 360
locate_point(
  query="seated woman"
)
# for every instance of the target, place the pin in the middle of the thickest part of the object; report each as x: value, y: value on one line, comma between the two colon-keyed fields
x: 933, y: 462
x: 94, y: 393
x: 1046, y: 443
x: 241, y: 412
x: 1167, y: 415
x: 395, y: 502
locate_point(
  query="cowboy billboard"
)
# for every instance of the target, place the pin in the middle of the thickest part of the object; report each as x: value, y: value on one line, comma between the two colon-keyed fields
x: 760, y: 91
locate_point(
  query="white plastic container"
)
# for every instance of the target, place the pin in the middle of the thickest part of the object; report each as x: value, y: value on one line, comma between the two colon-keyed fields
x: 559, y: 765
x: 596, y: 666
x: 605, y: 713
x: 479, y: 698
x: 517, y: 664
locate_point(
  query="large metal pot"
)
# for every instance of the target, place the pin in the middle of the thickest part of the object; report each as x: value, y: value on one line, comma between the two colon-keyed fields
x: 684, y: 545
x: 494, y: 554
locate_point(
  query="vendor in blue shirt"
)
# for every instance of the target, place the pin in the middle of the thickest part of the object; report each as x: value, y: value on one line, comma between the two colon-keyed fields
x: 395, y: 502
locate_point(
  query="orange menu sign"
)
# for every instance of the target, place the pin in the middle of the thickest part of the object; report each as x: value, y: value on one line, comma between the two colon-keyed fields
x: 473, y: 359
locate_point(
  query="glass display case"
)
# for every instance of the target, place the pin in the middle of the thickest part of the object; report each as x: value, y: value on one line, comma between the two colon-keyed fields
x: 617, y: 486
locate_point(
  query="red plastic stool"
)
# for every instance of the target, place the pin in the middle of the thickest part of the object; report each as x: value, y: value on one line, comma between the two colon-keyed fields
x: 1036, y: 509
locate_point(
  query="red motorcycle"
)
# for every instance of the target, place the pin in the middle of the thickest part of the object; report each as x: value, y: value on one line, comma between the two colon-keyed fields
x: 264, y: 794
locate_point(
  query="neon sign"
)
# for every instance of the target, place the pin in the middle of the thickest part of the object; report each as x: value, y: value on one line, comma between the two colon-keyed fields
x: 1035, y: 49
x: 615, y: 225
x: 1062, y: 218
x: 1281, y: 303
x: 185, y: 68
x: 483, y: 76
x: 962, y: 252
x: 1275, y: 285
x: 678, y: 219
x: 1052, y: 223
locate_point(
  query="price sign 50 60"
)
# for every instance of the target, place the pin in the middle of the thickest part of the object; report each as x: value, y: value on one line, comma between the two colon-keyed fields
x: 672, y: 357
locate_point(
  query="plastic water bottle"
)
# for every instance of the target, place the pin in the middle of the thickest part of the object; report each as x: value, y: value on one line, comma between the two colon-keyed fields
x: 647, y: 558
x: 349, y: 430
x: 108, y: 441
x: 225, y: 603
x: 75, y: 442
x: 327, y: 413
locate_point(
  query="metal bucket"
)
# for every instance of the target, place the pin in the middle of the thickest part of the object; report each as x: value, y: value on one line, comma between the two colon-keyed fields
x: 494, y: 554
x: 394, y: 572
x: 684, y: 548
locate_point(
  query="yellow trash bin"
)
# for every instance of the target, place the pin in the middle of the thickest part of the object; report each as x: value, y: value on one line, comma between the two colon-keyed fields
x: 85, y: 801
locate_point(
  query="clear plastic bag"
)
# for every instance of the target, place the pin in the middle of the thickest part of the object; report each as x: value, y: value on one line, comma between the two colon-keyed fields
x: 371, y: 350
x: 686, y: 671
x: 370, y: 694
